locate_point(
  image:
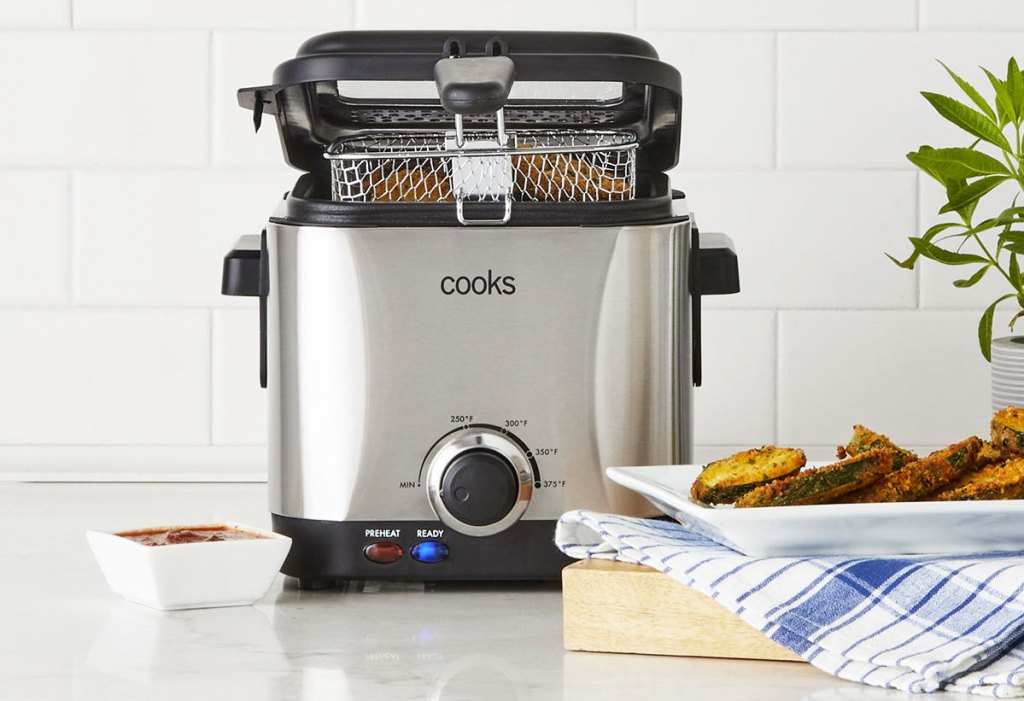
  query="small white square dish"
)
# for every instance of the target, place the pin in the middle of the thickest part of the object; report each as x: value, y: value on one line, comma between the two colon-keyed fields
x: 233, y: 568
x: 910, y: 528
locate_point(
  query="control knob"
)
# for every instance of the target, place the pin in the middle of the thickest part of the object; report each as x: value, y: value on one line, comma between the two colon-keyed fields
x: 479, y: 481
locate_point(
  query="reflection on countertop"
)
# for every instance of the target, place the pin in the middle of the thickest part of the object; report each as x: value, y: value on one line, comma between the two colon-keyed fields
x: 65, y: 636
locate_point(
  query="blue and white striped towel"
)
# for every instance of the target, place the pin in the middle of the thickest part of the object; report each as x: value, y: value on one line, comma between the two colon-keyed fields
x: 916, y: 623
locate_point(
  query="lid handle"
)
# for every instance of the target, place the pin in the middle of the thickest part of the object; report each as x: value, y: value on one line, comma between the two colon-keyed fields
x: 478, y: 85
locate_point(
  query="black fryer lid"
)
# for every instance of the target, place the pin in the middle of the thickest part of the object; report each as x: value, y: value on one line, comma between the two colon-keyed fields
x: 310, y: 114
x: 476, y: 42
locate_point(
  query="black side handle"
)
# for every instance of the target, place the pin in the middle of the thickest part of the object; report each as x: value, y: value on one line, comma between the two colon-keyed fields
x: 719, y: 273
x: 477, y: 85
x: 246, y: 273
x: 241, y: 274
x: 713, y: 271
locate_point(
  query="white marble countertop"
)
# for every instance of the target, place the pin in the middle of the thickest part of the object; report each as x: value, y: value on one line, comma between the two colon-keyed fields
x: 63, y: 635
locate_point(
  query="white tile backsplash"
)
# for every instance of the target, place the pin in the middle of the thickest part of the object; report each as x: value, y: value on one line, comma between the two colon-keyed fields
x: 329, y: 15
x: 692, y: 15
x: 916, y: 376
x: 36, y: 14
x: 956, y: 14
x: 736, y: 401
x: 34, y: 238
x: 163, y: 242
x: 239, y: 403
x: 127, y: 170
x: 88, y: 377
x: 573, y: 15
x: 105, y: 98
x: 852, y: 100
x: 728, y: 96
x: 809, y: 240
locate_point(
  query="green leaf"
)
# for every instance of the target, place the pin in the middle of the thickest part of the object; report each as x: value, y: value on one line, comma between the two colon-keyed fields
x: 1006, y: 219
x: 1009, y: 235
x: 984, y: 226
x: 953, y: 187
x: 1014, y: 269
x: 928, y: 236
x: 1004, y: 105
x: 1010, y: 215
x: 971, y: 92
x: 933, y: 252
x: 969, y: 120
x: 985, y: 328
x: 972, y: 193
x: 1014, y: 247
x: 973, y: 279
x: 919, y: 159
x: 1015, y: 88
x: 956, y: 163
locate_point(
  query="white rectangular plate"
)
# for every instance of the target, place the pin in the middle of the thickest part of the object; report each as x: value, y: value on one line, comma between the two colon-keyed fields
x: 832, y: 529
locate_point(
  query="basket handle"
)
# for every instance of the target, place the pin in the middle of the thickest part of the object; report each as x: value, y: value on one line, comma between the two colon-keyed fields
x: 478, y: 85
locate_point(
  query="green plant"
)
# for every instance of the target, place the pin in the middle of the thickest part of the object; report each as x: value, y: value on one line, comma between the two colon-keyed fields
x: 968, y: 175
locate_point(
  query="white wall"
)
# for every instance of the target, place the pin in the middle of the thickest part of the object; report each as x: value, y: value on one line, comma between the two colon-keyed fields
x: 127, y: 170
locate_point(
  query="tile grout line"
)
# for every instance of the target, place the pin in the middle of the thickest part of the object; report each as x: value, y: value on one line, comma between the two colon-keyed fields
x: 777, y: 384
x: 72, y: 238
x: 776, y: 84
x: 211, y: 85
x: 211, y: 345
x: 919, y: 190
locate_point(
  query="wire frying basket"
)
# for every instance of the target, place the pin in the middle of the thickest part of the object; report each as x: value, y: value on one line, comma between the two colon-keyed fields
x: 484, y: 166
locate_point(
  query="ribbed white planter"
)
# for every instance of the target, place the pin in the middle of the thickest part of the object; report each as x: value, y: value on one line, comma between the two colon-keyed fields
x: 1007, y: 372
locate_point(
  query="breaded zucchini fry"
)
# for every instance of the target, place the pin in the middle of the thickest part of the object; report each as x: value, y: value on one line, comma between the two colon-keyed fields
x: 918, y: 479
x: 1002, y: 481
x: 822, y: 484
x: 1008, y: 431
x: 723, y: 481
x: 864, y: 439
x: 989, y: 454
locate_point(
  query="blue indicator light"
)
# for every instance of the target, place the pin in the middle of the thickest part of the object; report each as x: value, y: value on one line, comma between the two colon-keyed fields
x: 429, y: 551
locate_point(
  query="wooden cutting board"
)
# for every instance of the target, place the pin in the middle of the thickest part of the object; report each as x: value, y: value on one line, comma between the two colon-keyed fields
x: 617, y: 607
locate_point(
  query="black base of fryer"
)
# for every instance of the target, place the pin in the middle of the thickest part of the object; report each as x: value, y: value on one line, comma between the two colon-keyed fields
x: 326, y: 552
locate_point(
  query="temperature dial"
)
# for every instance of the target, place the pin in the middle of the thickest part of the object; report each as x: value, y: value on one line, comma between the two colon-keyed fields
x: 479, y: 481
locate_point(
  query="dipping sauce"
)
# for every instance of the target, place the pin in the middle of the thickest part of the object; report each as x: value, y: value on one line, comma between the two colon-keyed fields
x: 195, y: 534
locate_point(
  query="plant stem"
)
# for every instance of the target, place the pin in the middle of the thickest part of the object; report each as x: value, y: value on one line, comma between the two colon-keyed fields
x: 995, y: 264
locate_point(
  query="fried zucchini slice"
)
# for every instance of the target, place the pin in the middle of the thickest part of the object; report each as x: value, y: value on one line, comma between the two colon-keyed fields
x: 1002, y: 481
x: 916, y: 480
x: 864, y: 439
x: 723, y: 481
x: 989, y: 454
x: 1008, y: 431
x: 821, y: 485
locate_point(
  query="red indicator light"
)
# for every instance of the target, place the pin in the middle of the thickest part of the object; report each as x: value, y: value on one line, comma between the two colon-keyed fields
x: 383, y: 552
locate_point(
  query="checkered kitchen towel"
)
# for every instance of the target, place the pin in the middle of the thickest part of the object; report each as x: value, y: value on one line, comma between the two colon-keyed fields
x: 921, y: 623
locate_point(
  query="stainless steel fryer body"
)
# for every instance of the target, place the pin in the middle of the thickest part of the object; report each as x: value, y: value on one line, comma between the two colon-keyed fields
x: 576, y: 340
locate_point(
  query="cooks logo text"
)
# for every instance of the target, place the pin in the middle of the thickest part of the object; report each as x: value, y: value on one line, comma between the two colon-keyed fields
x: 490, y: 284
